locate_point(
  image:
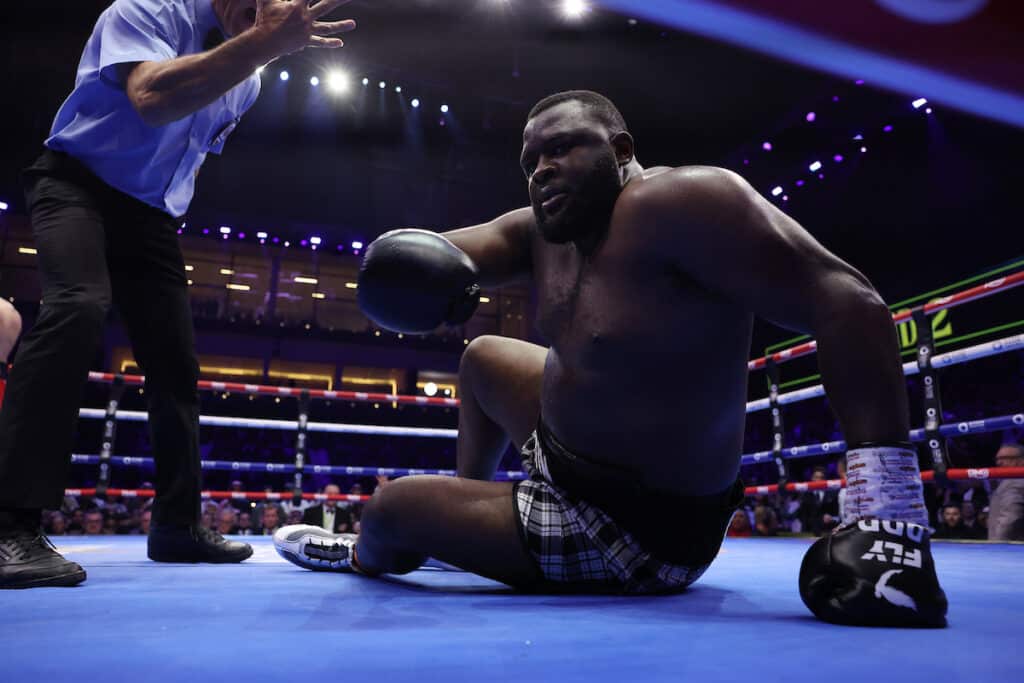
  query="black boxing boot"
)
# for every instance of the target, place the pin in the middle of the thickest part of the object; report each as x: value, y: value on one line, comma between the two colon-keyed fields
x: 193, y: 544
x: 873, y: 573
x: 27, y: 558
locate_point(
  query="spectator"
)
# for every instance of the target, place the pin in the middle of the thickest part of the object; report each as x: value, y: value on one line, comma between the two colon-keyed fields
x: 970, y: 516
x: 952, y: 525
x: 329, y: 515
x: 1006, y: 508
x: 295, y: 516
x: 93, y: 523
x: 226, y: 521
x: 841, y: 493
x: 271, y: 520
x: 739, y: 526
x: 983, y: 521
x: 56, y: 523
x: 240, y: 504
x: 819, y: 510
x: 766, y: 522
x: 76, y: 527
x: 244, y: 527
x: 109, y: 525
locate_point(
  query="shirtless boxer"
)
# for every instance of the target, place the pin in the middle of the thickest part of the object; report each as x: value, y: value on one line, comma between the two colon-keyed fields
x: 632, y: 421
x: 10, y: 330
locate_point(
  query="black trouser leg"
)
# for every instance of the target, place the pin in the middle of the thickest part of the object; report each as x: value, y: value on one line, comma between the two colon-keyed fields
x: 44, y: 390
x: 151, y: 293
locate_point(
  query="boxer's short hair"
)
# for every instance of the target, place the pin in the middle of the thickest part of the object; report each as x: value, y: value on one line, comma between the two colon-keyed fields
x: 600, y: 106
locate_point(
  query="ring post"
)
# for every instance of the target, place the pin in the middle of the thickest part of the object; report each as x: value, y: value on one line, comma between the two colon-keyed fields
x: 778, y: 431
x: 300, y: 446
x: 109, y: 434
x: 932, y: 401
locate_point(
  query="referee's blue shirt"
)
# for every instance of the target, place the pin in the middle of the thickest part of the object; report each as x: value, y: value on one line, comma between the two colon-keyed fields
x: 98, y: 125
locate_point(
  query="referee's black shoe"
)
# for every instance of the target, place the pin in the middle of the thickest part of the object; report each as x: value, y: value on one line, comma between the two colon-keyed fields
x: 193, y: 544
x: 28, y: 559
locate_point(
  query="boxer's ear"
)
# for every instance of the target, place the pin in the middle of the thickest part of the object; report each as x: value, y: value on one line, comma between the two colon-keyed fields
x: 622, y: 143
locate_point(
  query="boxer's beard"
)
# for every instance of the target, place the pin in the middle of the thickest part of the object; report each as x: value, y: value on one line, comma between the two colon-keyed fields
x: 587, y: 209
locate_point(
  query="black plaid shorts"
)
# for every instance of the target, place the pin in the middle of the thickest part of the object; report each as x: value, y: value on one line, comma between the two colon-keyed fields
x: 578, y: 546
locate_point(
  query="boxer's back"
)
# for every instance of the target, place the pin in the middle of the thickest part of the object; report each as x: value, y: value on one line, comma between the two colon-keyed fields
x: 646, y: 368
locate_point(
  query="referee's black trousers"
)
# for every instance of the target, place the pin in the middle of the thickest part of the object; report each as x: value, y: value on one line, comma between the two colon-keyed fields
x: 97, y: 246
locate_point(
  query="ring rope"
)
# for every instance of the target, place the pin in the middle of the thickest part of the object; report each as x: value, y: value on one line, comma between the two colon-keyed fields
x: 265, y: 390
x: 973, y: 294
x: 225, y: 495
x: 982, y: 426
x: 926, y: 477
x: 964, y: 355
x: 990, y: 473
x: 285, y: 468
x: 287, y: 425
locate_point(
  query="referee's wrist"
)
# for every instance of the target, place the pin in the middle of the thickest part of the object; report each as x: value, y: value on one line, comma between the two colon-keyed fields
x: 252, y: 47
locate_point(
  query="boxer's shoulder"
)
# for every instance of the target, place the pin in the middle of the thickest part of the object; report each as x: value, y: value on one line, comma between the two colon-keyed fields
x: 670, y: 199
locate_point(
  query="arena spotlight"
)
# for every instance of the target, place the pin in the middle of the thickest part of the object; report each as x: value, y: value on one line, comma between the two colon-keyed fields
x: 366, y: 81
x: 766, y: 146
x: 284, y: 76
x: 4, y: 206
x: 574, y: 9
x: 225, y: 230
x: 314, y: 240
x: 919, y: 102
x: 398, y: 88
x: 816, y: 166
x: 356, y: 246
x: 337, y: 82
x: 261, y: 235
x: 430, y: 389
x: 444, y: 108
x: 811, y: 116
x: 382, y: 85
x: 776, y: 191
x: 314, y: 81
x: 415, y: 103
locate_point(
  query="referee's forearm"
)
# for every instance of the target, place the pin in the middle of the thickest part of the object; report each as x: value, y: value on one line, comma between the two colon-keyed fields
x: 163, y: 92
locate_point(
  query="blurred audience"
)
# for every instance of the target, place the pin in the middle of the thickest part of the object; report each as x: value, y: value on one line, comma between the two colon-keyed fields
x: 952, y: 525
x: 329, y: 515
x: 227, y: 520
x: 271, y: 520
x: 1006, y: 508
x: 819, y: 510
x: 740, y: 526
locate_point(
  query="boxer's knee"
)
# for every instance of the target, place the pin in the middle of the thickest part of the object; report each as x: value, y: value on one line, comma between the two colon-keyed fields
x: 480, y: 360
x: 387, y: 535
x: 10, y: 328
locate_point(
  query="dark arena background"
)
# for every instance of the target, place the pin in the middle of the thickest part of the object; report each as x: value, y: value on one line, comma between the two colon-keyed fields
x: 892, y: 130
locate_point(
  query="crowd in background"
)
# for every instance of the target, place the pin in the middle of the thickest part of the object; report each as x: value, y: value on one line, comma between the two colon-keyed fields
x: 115, y: 515
x: 967, y: 510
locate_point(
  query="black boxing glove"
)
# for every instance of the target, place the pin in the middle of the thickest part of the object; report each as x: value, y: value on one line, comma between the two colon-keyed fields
x: 413, y: 280
x: 873, y: 573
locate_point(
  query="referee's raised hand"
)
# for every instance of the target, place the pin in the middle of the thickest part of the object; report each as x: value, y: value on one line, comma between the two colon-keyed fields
x: 287, y: 26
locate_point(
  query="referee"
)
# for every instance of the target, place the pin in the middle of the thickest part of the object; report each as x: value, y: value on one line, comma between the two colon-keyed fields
x: 161, y: 83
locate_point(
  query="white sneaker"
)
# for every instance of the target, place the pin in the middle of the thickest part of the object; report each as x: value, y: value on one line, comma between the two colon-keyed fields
x: 315, y: 548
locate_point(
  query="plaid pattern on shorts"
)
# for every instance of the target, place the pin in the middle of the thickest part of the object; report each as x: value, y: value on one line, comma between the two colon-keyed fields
x: 578, y: 545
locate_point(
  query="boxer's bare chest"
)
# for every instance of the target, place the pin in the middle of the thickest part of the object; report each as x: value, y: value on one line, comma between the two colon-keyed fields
x: 626, y: 298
